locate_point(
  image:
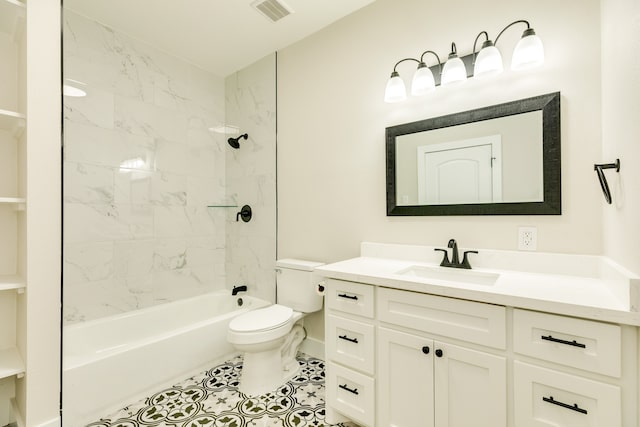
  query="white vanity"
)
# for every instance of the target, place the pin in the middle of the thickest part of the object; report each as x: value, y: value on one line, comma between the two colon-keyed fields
x: 521, y: 340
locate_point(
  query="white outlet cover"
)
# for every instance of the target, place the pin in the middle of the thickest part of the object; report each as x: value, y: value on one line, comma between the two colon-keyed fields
x: 527, y: 238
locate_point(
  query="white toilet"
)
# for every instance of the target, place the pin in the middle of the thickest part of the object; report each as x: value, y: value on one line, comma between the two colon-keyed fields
x: 269, y: 337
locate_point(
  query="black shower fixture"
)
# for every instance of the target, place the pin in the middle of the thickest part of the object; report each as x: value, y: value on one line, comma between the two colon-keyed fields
x: 235, y: 142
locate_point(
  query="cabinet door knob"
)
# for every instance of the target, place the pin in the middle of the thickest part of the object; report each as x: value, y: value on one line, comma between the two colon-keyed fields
x: 439, y: 353
x: 425, y: 349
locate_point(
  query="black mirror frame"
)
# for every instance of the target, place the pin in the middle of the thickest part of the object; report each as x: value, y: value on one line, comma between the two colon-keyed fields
x: 552, y: 204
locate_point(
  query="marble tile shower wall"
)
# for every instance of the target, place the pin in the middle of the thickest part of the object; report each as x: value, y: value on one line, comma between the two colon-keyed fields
x: 251, y: 177
x: 140, y: 168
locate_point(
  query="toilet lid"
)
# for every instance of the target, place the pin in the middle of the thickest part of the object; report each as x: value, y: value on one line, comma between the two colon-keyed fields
x: 261, y: 319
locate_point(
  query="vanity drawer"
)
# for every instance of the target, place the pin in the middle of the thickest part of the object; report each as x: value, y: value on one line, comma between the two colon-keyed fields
x: 351, y: 393
x: 544, y: 397
x: 353, y: 298
x: 579, y: 343
x: 350, y: 343
x: 460, y: 319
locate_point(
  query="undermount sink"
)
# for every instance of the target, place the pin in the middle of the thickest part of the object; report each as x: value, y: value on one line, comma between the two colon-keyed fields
x: 451, y: 275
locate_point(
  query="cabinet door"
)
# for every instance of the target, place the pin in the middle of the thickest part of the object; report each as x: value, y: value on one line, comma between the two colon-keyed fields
x: 405, y: 380
x: 470, y: 387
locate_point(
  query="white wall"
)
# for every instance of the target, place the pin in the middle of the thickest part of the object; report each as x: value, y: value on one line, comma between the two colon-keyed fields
x: 332, y: 119
x: 621, y: 129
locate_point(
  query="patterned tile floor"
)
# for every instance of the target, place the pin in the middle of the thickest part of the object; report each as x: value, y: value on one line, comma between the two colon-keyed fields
x: 212, y: 399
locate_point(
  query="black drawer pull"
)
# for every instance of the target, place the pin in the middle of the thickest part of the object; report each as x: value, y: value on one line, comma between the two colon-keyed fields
x: 346, y: 338
x: 353, y: 297
x: 573, y: 407
x: 573, y: 343
x: 350, y: 390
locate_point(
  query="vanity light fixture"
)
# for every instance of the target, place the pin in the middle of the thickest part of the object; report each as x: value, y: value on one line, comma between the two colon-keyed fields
x: 528, y: 53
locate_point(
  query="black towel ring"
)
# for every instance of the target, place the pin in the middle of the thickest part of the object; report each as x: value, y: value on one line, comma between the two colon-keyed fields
x: 599, y: 168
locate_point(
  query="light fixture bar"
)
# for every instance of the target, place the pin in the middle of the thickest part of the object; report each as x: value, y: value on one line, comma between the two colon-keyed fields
x: 468, y: 64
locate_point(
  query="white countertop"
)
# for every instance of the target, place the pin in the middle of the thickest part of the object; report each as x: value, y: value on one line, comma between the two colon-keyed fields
x: 595, y: 288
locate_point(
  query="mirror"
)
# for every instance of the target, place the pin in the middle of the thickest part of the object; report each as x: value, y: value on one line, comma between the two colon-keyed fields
x: 497, y: 160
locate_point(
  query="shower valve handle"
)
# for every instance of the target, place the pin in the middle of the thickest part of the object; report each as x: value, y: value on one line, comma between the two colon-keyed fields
x: 245, y: 213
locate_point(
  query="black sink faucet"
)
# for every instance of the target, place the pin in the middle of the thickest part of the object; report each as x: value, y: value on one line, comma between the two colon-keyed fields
x: 455, y: 257
x: 237, y: 289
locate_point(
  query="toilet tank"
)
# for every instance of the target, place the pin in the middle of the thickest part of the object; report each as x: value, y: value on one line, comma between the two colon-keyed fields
x: 297, y: 285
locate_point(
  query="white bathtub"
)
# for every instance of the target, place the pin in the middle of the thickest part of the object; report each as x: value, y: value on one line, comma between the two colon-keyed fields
x: 110, y: 362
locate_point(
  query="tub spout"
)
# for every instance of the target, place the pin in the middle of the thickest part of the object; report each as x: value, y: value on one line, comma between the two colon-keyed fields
x: 237, y: 289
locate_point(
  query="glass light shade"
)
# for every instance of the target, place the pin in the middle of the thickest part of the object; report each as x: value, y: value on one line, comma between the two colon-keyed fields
x: 488, y: 62
x: 529, y: 52
x: 423, y: 81
x: 395, y: 91
x: 453, y: 71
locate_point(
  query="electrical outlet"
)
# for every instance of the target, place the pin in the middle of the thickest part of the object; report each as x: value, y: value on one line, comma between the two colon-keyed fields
x: 527, y: 238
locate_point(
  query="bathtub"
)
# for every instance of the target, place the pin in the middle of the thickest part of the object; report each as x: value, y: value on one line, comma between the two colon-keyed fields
x: 113, y: 361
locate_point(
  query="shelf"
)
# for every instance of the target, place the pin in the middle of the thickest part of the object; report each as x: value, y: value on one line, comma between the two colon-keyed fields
x: 228, y: 203
x: 19, y: 203
x: 12, y: 121
x: 12, y: 13
x: 13, y: 200
x: 11, y: 282
x: 10, y: 363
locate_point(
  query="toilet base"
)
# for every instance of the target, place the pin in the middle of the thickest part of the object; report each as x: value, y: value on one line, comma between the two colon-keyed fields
x: 266, y: 370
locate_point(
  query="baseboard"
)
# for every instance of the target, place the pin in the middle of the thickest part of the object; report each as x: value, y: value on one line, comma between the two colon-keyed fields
x: 51, y: 423
x: 313, y: 347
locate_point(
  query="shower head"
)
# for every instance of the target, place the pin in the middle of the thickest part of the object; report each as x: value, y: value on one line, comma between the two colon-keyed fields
x: 235, y: 142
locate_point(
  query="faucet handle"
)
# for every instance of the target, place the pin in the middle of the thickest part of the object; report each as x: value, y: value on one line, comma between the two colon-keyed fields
x: 465, y: 259
x: 445, y: 261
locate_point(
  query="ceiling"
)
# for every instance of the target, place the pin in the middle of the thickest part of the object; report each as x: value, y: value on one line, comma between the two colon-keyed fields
x: 220, y: 36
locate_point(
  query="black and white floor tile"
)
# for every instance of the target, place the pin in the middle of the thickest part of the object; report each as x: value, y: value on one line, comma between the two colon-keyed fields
x: 212, y: 399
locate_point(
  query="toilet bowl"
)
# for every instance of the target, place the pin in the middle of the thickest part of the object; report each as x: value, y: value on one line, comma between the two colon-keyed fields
x: 269, y: 337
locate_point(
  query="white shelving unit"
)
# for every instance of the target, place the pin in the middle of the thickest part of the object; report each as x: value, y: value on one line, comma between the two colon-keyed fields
x: 12, y: 125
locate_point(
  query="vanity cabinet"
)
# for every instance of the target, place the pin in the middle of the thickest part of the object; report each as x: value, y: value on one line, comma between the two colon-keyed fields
x: 392, y: 360
x: 427, y: 383
x: 424, y: 379
x: 399, y: 358
x: 350, y: 352
x: 550, y: 395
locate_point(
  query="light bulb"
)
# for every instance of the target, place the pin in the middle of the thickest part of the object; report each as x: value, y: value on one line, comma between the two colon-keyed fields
x: 529, y: 52
x: 423, y: 81
x: 395, y: 91
x: 488, y: 61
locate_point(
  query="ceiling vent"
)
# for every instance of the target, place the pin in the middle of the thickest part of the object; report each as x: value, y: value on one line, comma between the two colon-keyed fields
x: 275, y: 10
